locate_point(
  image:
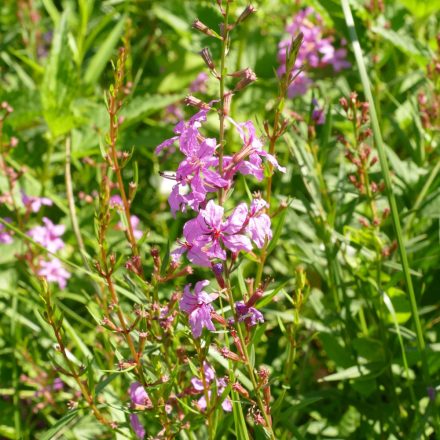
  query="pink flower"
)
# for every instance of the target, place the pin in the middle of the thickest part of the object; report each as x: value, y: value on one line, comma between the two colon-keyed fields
x: 35, y: 203
x: 5, y: 235
x: 198, y: 307
x: 134, y: 220
x: 258, y: 225
x: 208, y: 233
x: 137, y: 426
x: 318, y: 115
x: 252, y: 150
x: 116, y: 201
x: 48, y: 235
x: 138, y: 395
x: 54, y: 272
x: 199, y: 84
x: 316, y: 52
x: 248, y: 314
x: 195, y: 176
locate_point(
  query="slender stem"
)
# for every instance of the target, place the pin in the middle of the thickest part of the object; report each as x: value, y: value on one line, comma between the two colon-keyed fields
x: 223, y: 73
x: 122, y: 321
x: 71, y: 203
x: 205, y: 391
x: 249, y: 367
x: 388, y: 184
x: 120, y: 181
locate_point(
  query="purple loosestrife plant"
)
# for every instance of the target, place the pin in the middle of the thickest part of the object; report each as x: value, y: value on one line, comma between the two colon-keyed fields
x: 35, y: 203
x: 317, y: 51
x: 215, y: 237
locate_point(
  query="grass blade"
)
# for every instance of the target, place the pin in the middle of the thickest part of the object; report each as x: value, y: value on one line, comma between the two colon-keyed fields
x: 388, y: 184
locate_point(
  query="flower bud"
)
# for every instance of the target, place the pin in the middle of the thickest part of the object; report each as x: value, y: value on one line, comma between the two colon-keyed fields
x: 227, y: 103
x: 247, y: 76
x: 197, y: 24
x: 195, y: 102
x: 228, y: 354
x: 246, y: 13
x: 207, y: 58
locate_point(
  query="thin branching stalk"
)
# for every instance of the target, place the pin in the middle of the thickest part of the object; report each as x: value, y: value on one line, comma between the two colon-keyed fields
x: 114, y: 105
x: 247, y: 362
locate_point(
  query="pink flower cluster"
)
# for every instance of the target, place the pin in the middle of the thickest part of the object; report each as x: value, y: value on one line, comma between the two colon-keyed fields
x: 212, y: 235
x: 49, y: 236
x: 317, y: 50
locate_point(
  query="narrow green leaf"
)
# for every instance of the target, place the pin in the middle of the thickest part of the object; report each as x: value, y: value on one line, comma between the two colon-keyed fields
x: 102, y: 57
x: 65, y: 420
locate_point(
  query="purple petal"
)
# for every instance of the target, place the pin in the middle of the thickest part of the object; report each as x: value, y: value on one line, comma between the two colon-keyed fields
x: 137, y: 426
x: 236, y: 220
x: 237, y: 243
x: 213, y: 214
x: 166, y: 144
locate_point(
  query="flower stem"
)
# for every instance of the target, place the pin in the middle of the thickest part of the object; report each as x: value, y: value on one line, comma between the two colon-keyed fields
x: 249, y: 367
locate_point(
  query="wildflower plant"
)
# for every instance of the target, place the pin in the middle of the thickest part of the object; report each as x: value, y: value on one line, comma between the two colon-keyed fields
x: 198, y: 254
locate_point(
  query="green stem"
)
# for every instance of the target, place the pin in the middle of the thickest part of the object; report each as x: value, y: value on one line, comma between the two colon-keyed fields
x: 71, y: 203
x: 388, y: 184
x: 249, y: 367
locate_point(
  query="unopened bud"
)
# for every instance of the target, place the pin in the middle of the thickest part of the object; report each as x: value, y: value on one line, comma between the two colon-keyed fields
x: 373, y: 161
x: 197, y: 24
x: 196, y: 102
x: 240, y: 389
x: 207, y: 58
x: 344, y: 104
x: 247, y: 76
x: 227, y: 103
x: 228, y: 354
x: 246, y: 13
x: 364, y: 222
x: 263, y: 374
